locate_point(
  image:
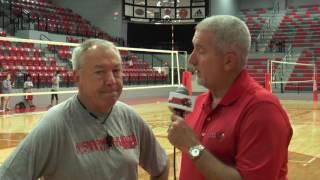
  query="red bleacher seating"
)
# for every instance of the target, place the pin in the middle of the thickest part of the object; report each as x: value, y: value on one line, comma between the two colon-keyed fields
x: 3, y: 33
x: 49, y: 17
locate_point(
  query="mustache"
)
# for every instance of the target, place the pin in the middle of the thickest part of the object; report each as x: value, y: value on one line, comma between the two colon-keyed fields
x: 110, y: 90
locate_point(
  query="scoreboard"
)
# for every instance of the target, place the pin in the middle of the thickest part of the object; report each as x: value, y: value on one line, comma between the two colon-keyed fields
x: 165, y: 11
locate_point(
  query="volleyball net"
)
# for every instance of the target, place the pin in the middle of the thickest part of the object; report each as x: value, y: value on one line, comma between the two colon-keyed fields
x: 143, y: 69
x: 294, y: 77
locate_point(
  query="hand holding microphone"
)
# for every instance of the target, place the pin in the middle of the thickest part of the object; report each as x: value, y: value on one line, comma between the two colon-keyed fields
x: 180, y: 134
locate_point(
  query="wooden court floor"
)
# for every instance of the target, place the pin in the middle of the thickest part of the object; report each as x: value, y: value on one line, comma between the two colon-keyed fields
x: 304, y: 150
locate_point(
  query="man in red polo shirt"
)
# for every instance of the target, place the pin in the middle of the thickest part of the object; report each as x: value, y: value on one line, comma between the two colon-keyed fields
x: 238, y: 130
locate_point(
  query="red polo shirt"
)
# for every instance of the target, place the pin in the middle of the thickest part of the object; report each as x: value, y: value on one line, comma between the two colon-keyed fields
x: 248, y: 130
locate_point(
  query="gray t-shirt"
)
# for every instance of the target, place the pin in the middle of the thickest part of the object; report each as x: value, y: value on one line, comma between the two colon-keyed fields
x: 68, y: 143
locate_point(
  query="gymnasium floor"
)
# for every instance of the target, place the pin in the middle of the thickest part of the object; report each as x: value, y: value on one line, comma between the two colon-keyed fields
x: 304, y: 156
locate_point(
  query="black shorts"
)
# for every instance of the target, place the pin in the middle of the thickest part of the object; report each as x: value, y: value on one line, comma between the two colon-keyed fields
x: 54, y: 96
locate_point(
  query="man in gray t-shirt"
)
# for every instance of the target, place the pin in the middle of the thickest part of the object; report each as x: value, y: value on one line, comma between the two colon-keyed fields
x: 91, y: 135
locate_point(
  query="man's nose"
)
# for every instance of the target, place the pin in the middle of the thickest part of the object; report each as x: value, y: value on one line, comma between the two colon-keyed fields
x: 192, y: 58
x: 110, y: 78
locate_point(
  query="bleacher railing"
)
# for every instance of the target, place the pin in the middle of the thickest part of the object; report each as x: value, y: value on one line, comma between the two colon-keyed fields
x: 269, y: 26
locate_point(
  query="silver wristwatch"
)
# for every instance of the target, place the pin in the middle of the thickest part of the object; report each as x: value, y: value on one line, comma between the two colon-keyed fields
x: 195, y: 151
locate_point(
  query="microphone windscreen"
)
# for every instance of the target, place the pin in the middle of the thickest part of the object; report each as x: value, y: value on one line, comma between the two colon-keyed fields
x: 182, y: 90
x: 179, y: 100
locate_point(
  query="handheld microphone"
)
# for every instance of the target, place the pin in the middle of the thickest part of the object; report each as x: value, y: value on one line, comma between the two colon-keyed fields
x: 180, y: 101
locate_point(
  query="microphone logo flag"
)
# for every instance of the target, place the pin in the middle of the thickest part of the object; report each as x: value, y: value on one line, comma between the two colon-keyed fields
x: 181, y: 101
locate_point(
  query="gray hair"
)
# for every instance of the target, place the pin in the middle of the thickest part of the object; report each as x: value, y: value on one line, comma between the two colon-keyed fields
x: 229, y: 32
x: 78, y: 52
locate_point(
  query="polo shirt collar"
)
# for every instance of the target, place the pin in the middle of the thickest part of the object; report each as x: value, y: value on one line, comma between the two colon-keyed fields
x: 235, y: 91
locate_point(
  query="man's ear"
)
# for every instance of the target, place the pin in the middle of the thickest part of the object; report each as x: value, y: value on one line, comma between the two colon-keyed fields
x: 76, y: 76
x: 231, y: 61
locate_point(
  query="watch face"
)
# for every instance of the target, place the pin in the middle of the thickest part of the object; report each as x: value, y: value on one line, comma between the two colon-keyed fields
x: 195, y: 152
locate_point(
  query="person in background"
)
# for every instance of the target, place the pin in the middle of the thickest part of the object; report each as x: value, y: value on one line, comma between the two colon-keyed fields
x: 7, y: 86
x: 55, y: 88
x: 27, y: 87
x: 1, y: 99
